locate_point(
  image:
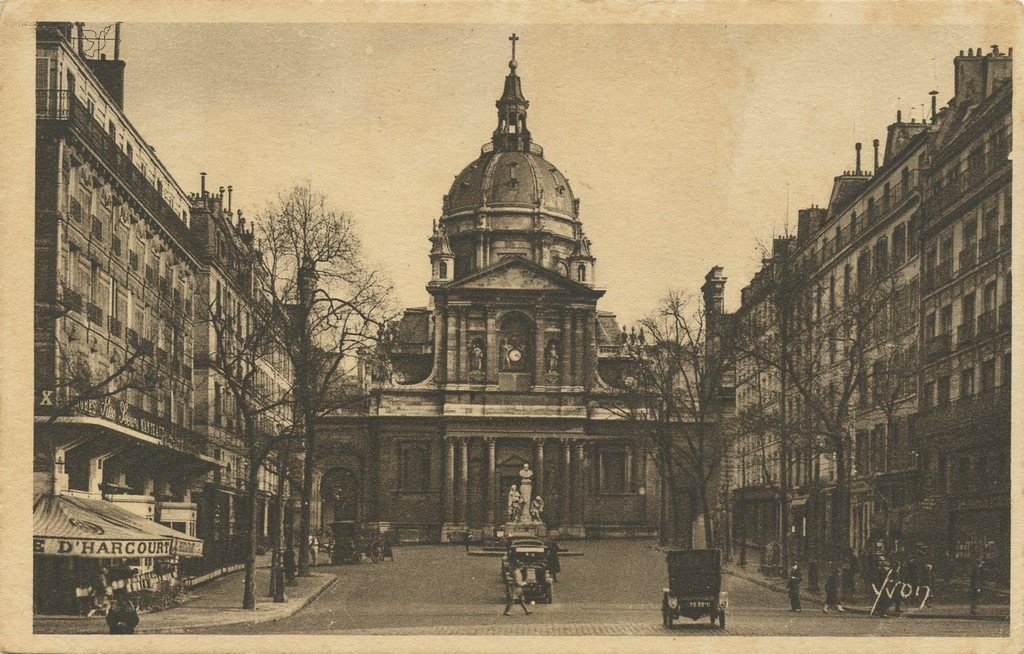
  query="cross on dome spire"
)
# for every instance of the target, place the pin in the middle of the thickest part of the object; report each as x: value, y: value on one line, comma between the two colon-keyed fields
x: 511, y: 133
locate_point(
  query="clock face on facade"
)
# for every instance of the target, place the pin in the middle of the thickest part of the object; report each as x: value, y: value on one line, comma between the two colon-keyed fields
x: 514, y: 355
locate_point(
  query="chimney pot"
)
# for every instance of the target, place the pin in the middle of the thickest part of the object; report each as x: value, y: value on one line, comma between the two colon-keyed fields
x: 970, y: 52
x: 202, y: 184
x: 857, y: 147
x: 899, y: 115
x: 995, y: 49
x: 875, y: 144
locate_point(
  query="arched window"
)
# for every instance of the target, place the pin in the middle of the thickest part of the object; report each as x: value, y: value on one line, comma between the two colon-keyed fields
x: 581, y: 273
x: 442, y: 269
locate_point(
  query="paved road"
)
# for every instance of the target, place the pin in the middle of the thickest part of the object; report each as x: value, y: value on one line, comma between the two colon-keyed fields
x: 614, y: 589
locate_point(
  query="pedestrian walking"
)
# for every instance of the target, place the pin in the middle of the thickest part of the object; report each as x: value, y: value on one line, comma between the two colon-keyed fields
x: 883, y: 581
x: 465, y: 539
x: 976, y: 587
x: 832, y: 593
x: 389, y: 554
x: 554, y: 566
x: 122, y: 618
x: 314, y: 545
x: 793, y: 585
x: 514, y: 586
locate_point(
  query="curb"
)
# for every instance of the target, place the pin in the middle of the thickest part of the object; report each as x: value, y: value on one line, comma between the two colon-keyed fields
x: 255, y: 619
x: 862, y: 611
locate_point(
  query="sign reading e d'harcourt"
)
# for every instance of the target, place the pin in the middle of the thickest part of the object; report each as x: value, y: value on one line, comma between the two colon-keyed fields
x: 101, y: 548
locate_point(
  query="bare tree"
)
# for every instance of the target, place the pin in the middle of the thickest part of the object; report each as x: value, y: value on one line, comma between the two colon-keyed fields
x: 332, y: 306
x: 245, y: 343
x: 88, y: 375
x: 821, y: 345
x: 672, y: 401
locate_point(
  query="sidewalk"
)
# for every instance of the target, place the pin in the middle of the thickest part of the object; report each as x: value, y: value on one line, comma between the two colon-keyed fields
x: 863, y: 606
x: 216, y: 603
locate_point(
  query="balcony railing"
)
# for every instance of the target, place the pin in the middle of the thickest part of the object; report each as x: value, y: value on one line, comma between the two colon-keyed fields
x: 988, y: 244
x: 95, y: 314
x: 60, y: 106
x: 987, y: 323
x: 965, y: 334
x: 1004, y: 315
x: 146, y: 347
x: 970, y: 180
x: 132, y: 337
x: 115, y: 326
x: 72, y: 300
x: 1005, y: 237
x: 51, y: 104
x: 968, y: 256
x: 937, y: 346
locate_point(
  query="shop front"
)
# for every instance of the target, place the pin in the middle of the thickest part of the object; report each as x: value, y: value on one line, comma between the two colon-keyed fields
x: 85, y: 548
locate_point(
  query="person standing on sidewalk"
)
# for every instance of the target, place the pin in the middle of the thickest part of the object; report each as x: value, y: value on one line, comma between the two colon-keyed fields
x: 122, y: 617
x: 977, y: 586
x: 832, y: 593
x: 793, y: 585
x: 514, y: 590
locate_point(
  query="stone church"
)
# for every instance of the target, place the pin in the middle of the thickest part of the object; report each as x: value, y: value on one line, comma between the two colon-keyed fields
x: 507, y: 365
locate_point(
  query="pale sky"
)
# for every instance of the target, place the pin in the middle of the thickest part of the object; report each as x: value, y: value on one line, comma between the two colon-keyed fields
x: 686, y: 144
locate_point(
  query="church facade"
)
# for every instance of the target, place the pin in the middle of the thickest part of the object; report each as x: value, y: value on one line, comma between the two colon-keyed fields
x: 509, y: 364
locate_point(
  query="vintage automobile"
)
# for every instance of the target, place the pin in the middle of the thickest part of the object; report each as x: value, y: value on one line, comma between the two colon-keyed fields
x: 351, y: 543
x: 532, y: 555
x: 694, y: 587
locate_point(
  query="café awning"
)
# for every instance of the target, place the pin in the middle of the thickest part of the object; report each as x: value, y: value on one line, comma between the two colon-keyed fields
x: 63, y: 527
x: 181, y: 544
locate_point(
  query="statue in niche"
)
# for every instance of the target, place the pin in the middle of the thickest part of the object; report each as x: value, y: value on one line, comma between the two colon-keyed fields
x: 476, y: 356
x: 551, y: 356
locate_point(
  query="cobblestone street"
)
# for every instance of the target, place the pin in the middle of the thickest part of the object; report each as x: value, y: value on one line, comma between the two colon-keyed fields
x: 614, y: 589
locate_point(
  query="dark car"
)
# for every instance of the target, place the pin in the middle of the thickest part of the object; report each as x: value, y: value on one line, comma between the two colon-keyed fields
x: 694, y: 587
x: 533, y: 556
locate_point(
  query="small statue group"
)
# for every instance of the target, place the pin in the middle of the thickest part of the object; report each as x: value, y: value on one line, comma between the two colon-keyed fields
x: 517, y: 505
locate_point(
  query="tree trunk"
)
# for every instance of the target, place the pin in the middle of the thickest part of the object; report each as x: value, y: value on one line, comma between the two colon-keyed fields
x: 709, y: 532
x: 841, y: 520
x: 249, y: 585
x: 277, y: 564
x: 305, y: 518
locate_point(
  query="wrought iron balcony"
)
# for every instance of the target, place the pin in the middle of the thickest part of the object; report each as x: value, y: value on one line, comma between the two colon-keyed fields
x: 968, y: 256
x: 965, y: 334
x: 937, y: 346
x: 72, y: 300
x: 1005, y: 237
x: 95, y: 314
x: 948, y: 196
x: 987, y: 323
x: 1005, y: 312
x: 115, y: 326
x: 59, y: 108
x: 987, y: 245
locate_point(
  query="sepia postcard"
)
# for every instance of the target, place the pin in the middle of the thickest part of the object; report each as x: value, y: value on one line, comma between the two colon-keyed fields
x: 490, y: 326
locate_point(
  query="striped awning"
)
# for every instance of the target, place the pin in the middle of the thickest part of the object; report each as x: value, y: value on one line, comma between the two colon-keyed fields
x: 62, y: 527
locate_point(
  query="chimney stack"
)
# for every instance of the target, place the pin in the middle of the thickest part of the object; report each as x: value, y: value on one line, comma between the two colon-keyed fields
x: 81, y: 39
x: 934, y: 94
x: 875, y: 144
x: 899, y: 115
x: 857, y: 146
x: 230, y: 188
x: 202, y: 184
x: 117, y: 41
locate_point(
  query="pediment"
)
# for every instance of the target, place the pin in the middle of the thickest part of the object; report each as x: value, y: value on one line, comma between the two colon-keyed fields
x: 520, y: 275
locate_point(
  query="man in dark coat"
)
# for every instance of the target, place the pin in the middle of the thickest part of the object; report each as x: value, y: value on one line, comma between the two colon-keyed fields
x: 832, y: 593
x: 122, y: 617
x: 793, y: 585
x: 976, y: 587
x: 554, y: 566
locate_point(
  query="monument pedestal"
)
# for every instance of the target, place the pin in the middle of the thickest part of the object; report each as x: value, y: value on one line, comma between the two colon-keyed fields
x: 453, y: 532
x: 525, y: 529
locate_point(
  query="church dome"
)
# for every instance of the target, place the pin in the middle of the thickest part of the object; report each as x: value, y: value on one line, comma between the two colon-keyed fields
x: 511, y: 178
x: 511, y: 170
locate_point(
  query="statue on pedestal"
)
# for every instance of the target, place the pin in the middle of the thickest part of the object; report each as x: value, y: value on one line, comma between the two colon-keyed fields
x: 514, y: 504
x: 536, y: 508
x: 525, y: 491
